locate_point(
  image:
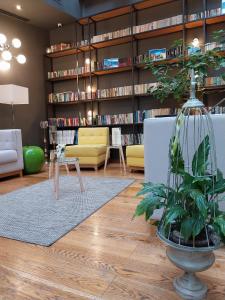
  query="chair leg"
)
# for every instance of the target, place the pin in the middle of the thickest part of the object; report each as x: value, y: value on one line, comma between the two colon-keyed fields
x: 123, y: 160
x: 106, y: 158
x: 67, y: 169
x: 21, y: 173
x: 79, y: 176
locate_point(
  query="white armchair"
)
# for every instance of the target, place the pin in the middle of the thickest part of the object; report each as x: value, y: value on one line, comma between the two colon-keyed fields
x: 11, y: 152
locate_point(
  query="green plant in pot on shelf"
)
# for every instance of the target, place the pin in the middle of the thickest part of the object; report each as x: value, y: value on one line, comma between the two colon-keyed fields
x: 173, y: 78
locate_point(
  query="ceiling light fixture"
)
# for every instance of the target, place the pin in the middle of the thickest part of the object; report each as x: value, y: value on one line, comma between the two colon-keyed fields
x: 6, y: 54
x: 59, y: 25
x: 18, y: 7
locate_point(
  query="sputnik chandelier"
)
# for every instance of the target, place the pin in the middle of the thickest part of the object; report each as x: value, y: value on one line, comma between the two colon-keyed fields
x: 6, y: 52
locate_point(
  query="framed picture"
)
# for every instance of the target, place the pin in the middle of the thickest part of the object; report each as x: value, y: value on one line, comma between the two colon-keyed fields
x: 192, y: 50
x: 157, y: 54
x: 110, y: 63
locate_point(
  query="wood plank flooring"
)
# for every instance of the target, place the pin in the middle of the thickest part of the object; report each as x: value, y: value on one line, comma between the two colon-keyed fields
x: 108, y: 256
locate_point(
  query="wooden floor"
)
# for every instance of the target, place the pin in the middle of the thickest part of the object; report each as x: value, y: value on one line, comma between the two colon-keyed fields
x: 108, y: 256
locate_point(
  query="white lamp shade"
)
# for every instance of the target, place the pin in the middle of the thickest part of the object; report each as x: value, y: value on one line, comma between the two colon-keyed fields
x: 13, y: 94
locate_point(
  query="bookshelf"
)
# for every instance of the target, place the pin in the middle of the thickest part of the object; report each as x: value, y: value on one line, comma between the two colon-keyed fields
x: 133, y: 44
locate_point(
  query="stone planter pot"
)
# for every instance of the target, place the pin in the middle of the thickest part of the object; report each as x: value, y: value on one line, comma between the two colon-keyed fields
x: 190, y: 260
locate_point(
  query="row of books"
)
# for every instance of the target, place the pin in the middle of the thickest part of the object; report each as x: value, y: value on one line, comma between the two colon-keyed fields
x: 139, y: 89
x: 213, y: 45
x: 111, y: 35
x: 59, y: 47
x: 130, y: 139
x: 72, y: 72
x: 65, y: 137
x: 158, y: 24
x: 70, y: 96
x: 175, y: 20
x: 217, y: 110
x: 213, y: 81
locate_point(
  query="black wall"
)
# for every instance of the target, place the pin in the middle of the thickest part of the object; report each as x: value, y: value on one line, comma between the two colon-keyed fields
x: 31, y: 75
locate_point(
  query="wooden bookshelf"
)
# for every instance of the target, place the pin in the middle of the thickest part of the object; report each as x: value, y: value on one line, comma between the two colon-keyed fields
x: 92, y: 23
x: 61, y: 53
x: 112, y: 70
x: 70, y: 77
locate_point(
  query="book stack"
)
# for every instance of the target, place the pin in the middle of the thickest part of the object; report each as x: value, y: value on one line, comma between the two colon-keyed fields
x: 70, y: 96
x: 72, y: 72
x: 158, y: 24
x: 111, y: 35
x: 213, y: 12
x: 214, y: 81
x: 58, y: 47
x: 65, y: 137
x: 142, y: 89
x: 174, y: 52
x: 217, y: 110
x: 195, y: 16
x: 114, y: 92
x: 64, y: 122
x: 213, y: 45
x: 62, y: 97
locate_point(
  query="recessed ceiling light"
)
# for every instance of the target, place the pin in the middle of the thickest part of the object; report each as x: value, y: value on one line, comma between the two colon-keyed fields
x: 18, y: 6
x: 59, y: 25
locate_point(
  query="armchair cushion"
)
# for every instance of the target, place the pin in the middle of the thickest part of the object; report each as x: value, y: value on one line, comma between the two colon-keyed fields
x: 8, y: 156
x: 85, y: 150
x: 93, y: 136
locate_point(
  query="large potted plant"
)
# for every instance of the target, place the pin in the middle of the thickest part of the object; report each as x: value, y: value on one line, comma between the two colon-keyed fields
x: 192, y: 224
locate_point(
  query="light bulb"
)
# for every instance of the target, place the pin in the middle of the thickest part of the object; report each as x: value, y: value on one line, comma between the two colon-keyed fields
x: 3, y: 38
x: 89, y: 89
x: 195, y: 42
x: 16, y: 43
x: 87, y: 61
x: 21, y: 59
x: 7, y: 55
x: 18, y: 7
x: 4, y: 65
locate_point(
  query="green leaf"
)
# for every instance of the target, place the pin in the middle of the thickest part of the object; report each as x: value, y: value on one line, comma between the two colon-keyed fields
x: 200, y: 201
x: 157, y: 189
x: 220, y: 221
x: 177, y: 161
x: 148, y: 204
x: 200, y: 158
x: 186, y: 228
x: 174, y: 213
x: 198, y: 225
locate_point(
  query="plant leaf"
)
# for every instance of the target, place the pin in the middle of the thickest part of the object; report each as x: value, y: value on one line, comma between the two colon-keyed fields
x: 200, y: 158
x: 186, y: 228
x: 198, y: 225
x: 200, y: 201
x: 173, y: 213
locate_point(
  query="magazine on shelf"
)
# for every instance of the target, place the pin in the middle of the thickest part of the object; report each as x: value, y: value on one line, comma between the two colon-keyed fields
x: 157, y: 54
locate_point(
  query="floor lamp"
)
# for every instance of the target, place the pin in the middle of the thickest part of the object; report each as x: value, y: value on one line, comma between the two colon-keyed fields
x: 12, y: 94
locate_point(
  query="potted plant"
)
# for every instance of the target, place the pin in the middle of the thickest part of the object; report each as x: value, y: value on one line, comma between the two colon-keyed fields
x: 192, y: 224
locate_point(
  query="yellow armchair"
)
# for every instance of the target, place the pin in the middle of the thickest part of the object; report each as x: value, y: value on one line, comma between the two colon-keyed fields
x: 135, y: 157
x: 91, y: 148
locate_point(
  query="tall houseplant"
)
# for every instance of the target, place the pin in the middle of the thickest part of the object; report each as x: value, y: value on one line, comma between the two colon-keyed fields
x: 192, y: 224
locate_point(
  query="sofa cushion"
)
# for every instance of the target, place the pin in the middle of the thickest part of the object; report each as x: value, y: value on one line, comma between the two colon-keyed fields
x: 135, y: 151
x: 85, y: 150
x: 8, y: 156
x: 7, y: 139
x: 93, y: 136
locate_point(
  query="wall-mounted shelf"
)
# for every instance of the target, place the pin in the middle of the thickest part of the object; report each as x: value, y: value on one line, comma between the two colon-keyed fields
x: 61, y: 53
x: 70, y: 77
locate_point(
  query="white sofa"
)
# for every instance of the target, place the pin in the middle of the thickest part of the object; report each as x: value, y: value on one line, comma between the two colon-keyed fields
x: 157, y: 134
x: 11, y: 152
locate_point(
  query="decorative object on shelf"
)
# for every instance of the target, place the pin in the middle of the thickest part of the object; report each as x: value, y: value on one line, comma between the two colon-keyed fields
x: 174, y: 78
x: 6, y: 52
x: 13, y: 95
x: 192, y: 224
x: 34, y: 159
x: 157, y: 54
x: 44, y: 126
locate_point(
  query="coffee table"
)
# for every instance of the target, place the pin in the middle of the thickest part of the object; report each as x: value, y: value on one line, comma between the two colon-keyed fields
x: 54, y: 167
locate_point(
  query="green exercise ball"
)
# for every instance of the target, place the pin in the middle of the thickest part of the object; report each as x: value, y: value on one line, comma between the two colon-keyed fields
x: 34, y: 159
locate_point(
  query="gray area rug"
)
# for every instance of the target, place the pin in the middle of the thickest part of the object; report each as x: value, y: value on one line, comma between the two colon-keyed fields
x: 33, y: 215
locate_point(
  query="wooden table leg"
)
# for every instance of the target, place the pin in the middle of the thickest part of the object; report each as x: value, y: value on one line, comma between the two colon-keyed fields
x: 123, y: 160
x: 106, y: 158
x: 77, y: 165
x: 56, y: 180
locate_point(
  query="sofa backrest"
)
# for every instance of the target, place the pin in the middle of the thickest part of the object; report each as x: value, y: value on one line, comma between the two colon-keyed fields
x: 9, y: 139
x: 93, y: 136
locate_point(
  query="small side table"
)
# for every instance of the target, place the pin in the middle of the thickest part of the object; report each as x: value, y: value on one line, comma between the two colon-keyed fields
x: 54, y: 165
x: 121, y: 155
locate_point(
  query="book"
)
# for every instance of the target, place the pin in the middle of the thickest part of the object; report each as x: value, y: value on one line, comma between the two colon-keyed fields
x: 157, y: 54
